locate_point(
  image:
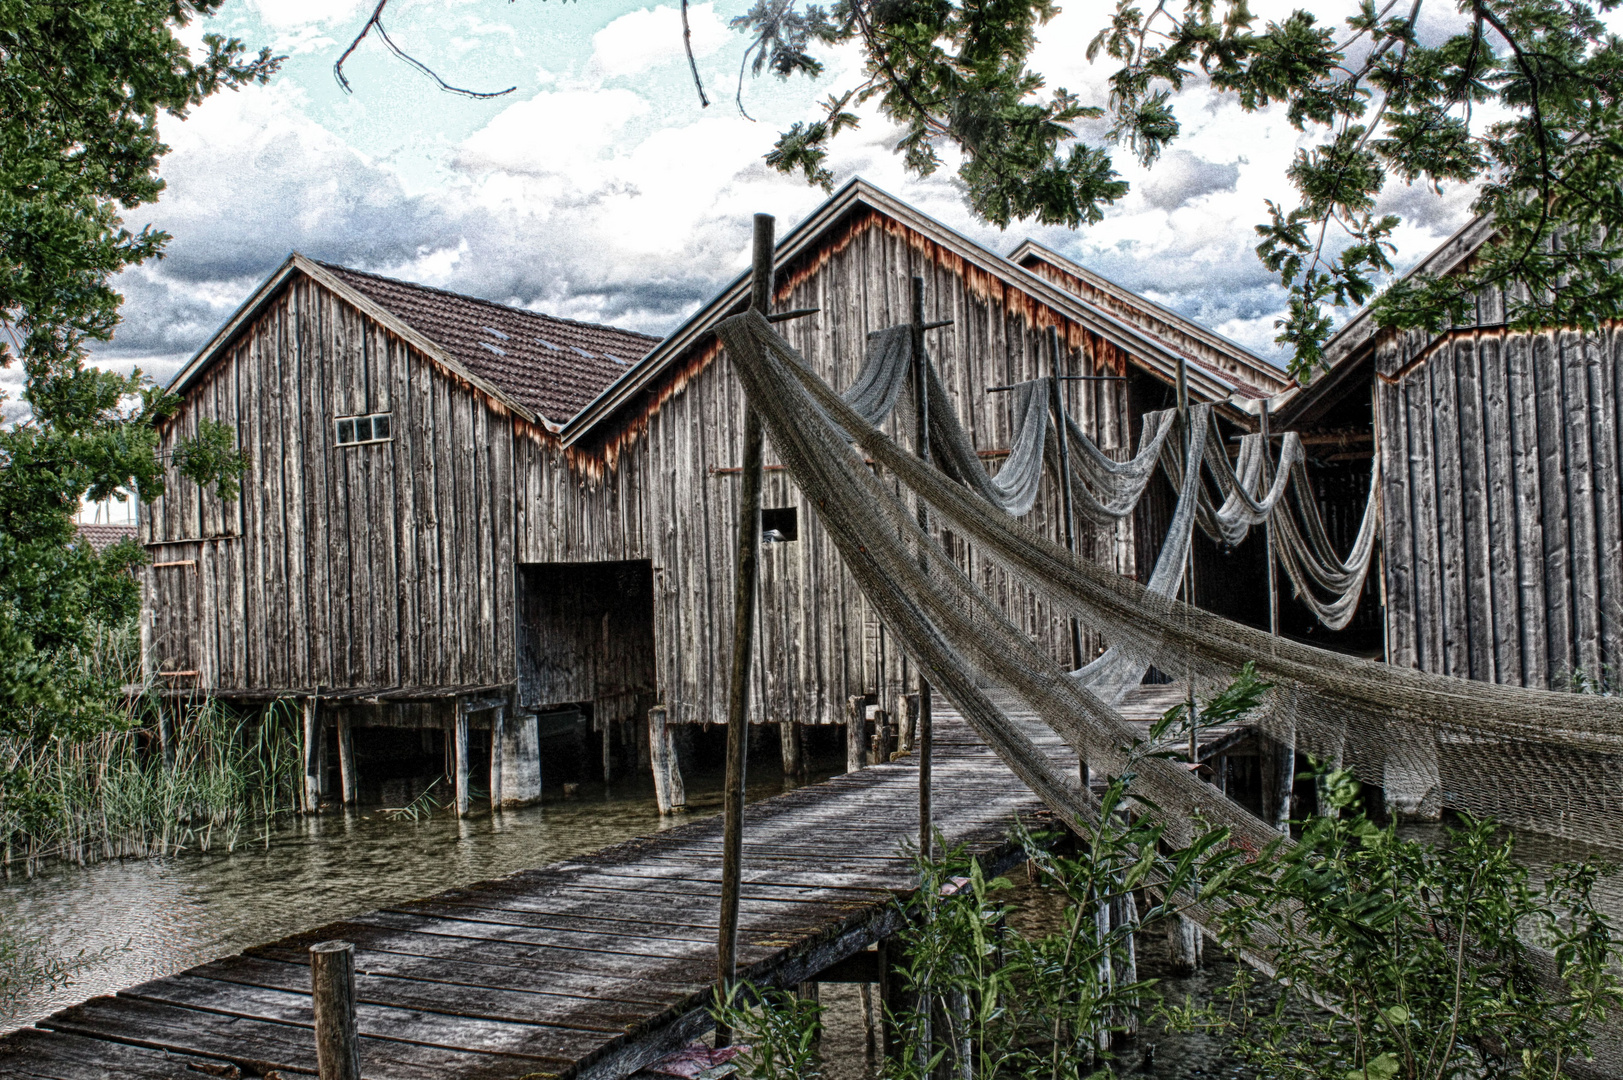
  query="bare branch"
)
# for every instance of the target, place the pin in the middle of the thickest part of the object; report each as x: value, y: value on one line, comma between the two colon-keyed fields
x: 693, y: 65
x: 377, y: 21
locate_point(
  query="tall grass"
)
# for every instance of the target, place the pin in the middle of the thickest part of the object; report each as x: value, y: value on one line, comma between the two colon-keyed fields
x: 109, y: 792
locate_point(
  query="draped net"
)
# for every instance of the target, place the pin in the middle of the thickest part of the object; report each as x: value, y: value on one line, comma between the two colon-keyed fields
x: 1536, y: 760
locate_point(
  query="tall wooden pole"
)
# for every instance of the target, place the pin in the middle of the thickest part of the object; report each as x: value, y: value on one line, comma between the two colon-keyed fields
x: 921, y: 446
x: 1268, y: 527
x: 1056, y: 401
x: 748, y: 570
x: 1189, y: 554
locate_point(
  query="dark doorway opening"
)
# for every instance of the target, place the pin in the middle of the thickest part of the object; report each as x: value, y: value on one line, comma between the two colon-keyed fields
x: 586, y: 634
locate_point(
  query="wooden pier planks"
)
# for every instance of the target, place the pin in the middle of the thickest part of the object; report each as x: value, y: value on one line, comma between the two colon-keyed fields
x: 587, y: 968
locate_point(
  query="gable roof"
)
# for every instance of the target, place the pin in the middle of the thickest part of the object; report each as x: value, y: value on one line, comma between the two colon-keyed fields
x: 1206, y: 382
x: 1204, y: 345
x: 541, y: 367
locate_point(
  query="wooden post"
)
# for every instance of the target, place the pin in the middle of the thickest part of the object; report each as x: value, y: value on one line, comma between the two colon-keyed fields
x: 668, y: 791
x: 1268, y: 525
x: 459, y: 750
x: 498, y: 732
x: 747, y: 570
x: 906, y: 707
x: 313, y: 778
x: 166, y: 733
x: 347, y: 779
x: 1183, y: 944
x: 1183, y: 425
x: 332, y: 993
x: 921, y: 446
x: 608, y: 751
x: 1125, y: 913
x: 856, y: 733
x: 1056, y: 401
x: 789, y: 743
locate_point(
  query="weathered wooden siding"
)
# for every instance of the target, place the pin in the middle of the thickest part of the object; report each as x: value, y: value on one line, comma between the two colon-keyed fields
x: 1503, y: 532
x: 364, y: 567
x: 670, y: 496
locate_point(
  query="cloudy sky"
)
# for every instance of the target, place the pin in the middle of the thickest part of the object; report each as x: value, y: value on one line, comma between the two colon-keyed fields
x: 600, y: 190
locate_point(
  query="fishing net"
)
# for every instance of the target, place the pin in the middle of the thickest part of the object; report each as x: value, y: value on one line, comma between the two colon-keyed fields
x: 1537, y: 760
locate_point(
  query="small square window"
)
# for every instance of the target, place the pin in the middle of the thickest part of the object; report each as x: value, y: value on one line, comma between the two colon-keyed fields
x: 346, y: 430
x: 380, y: 426
x: 780, y: 525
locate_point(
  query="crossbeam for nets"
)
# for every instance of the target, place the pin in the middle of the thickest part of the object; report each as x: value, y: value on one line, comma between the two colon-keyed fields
x: 744, y: 588
x: 1062, y: 378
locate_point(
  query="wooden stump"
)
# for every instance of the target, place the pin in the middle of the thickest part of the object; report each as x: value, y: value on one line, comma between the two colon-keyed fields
x: 332, y: 986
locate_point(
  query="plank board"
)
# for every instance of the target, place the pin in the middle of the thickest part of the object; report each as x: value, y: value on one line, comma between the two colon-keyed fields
x: 593, y: 966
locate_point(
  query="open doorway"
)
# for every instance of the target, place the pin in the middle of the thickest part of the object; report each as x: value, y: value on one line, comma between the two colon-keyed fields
x: 586, y: 636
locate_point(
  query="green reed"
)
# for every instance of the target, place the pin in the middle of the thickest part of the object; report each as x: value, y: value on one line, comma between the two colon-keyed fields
x: 106, y: 790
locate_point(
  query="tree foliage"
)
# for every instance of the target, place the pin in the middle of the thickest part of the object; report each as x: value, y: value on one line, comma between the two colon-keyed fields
x: 81, y: 90
x: 1522, y: 102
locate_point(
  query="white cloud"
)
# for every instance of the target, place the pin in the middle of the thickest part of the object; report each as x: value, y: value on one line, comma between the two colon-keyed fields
x: 644, y: 39
x: 296, y: 14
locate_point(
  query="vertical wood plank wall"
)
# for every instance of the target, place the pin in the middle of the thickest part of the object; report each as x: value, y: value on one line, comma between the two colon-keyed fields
x: 370, y: 566
x: 670, y: 498
x: 1503, y: 529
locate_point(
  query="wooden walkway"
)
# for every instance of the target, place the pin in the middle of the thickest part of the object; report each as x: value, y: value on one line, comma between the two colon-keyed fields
x: 592, y: 967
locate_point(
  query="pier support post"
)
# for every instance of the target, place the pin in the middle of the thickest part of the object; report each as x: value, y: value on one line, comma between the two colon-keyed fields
x: 315, y: 772
x: 332, y: 993
x: 521, y: 760
x: 789, y: 740
x: 166, y: 733
x: 498, y: 740
x: 856, y: 733
x: 1284, y: 781
x: 747, y: 570
x: 459, y: 751
x: 668, y: 791
x: 906, y: 712
x: 347, y: 778
x: 1184, y: 944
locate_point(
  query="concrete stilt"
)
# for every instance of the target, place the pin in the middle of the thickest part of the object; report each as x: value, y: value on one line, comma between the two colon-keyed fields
x: 521, y: 760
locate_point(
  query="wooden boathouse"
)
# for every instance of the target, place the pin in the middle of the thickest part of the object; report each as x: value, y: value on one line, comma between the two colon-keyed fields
x: 1502, y: 511
x: 458, y: 515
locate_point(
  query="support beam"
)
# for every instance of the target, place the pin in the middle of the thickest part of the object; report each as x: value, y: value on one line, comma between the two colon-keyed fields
x: 744, y: 588
x: 348, y: 781
x: 789, y: 744
x: 314, y: 773
x: 459, y: 751
x: 668, y: 791
x: 498, y: 740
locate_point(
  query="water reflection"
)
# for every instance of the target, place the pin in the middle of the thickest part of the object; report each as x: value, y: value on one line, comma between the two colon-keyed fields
x: 158, y: 916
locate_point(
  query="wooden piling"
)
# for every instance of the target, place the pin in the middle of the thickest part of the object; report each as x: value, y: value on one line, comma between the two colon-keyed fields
x: 348, y: 781
x: 744, y: 588
x: 498, y: 732
x: 1183, y: 944
x: 668, y: 791
x: 332, y: 993
x: 166, y: 734
x: 856, y: 733
x: 789, y: 743
x: 313, y: 771
x: 459, y: 750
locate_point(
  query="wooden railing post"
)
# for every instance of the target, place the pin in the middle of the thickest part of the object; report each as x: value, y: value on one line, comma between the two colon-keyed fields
x: 747, y: 572
x: 332, y: 993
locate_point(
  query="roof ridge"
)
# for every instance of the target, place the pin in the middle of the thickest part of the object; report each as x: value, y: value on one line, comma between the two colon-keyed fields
x: 482, y: 300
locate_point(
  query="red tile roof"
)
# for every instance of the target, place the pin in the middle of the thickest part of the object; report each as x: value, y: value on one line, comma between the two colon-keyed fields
x: 102, y: 537
x: 554, y: 366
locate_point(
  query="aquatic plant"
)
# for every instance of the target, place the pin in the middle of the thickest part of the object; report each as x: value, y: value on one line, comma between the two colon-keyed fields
x: 108, y: 789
